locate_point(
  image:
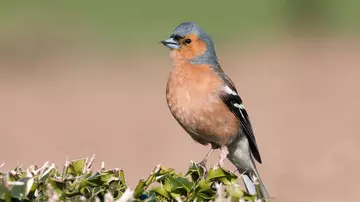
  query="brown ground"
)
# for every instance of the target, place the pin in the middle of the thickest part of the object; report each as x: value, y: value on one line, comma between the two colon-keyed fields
x: 303, y: 101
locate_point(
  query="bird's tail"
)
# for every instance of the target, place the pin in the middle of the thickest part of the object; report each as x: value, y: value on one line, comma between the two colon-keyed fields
x: 251, y: 187
x: 241, y: 156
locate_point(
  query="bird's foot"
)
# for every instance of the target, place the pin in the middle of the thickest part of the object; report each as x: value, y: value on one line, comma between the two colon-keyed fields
x: 202, y: 164
x: 223, y: 155
x: 203, y: 168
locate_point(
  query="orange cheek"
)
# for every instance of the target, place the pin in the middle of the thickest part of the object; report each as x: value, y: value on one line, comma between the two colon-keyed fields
x: 193, y: 50
x: 188, y: 52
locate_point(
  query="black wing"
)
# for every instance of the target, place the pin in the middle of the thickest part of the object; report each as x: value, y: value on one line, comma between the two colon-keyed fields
x: 235, y: 104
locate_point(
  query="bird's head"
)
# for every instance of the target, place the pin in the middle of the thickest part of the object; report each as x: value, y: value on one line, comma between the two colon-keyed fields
x: 188, y: 42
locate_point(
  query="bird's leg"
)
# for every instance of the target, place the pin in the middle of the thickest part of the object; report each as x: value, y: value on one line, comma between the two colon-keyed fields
x: 203, y: 162
x: 223, y: 155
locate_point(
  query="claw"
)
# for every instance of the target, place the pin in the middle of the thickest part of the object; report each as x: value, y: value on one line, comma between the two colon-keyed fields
x: 202, y: 164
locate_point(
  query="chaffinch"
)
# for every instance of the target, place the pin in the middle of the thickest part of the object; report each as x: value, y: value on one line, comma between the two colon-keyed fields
x: 205, y: 102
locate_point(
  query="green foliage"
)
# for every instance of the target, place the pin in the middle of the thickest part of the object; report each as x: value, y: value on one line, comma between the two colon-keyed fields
x: 77, y: 182
x: 133, y: 24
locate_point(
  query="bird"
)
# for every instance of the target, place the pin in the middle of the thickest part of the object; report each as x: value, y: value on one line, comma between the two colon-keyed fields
x: 206, y: 104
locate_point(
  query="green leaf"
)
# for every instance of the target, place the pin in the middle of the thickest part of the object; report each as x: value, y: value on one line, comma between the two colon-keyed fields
x: 224, y: 176
x: 76, y: 167
x: 97, y: 191
x: 12, y: 176
x: 139, y: 188
x: 216, y: 173
x: 205, y: 186
x: 150, y: 179
x: 57, y: 185
x: 4, y: 192
x: 195, y: 171
x: 175, y: 195
x: 205, y: 196
x: 161, y: 191
x: 163, y: 173
x: 164, y: 170
x: 177, y: 185
x: 28, y: 183
x: 186, y: 184
x: 18, y: 190
x: 85, y: 190
x: 172, y: 184
x: 122, y: 177
x: 108, y: 176
x: 94, y: 180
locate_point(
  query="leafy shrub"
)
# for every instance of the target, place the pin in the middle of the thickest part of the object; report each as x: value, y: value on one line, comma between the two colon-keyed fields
x: 77, y: 182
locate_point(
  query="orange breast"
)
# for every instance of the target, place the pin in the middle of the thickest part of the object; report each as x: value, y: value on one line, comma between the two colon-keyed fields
x: 193, y: 97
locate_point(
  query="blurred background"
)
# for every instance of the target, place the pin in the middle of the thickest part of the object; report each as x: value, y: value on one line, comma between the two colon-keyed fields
x: 78, y: 78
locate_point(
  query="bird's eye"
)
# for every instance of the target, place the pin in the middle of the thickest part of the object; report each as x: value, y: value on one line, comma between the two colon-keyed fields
x: 187, y: 41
